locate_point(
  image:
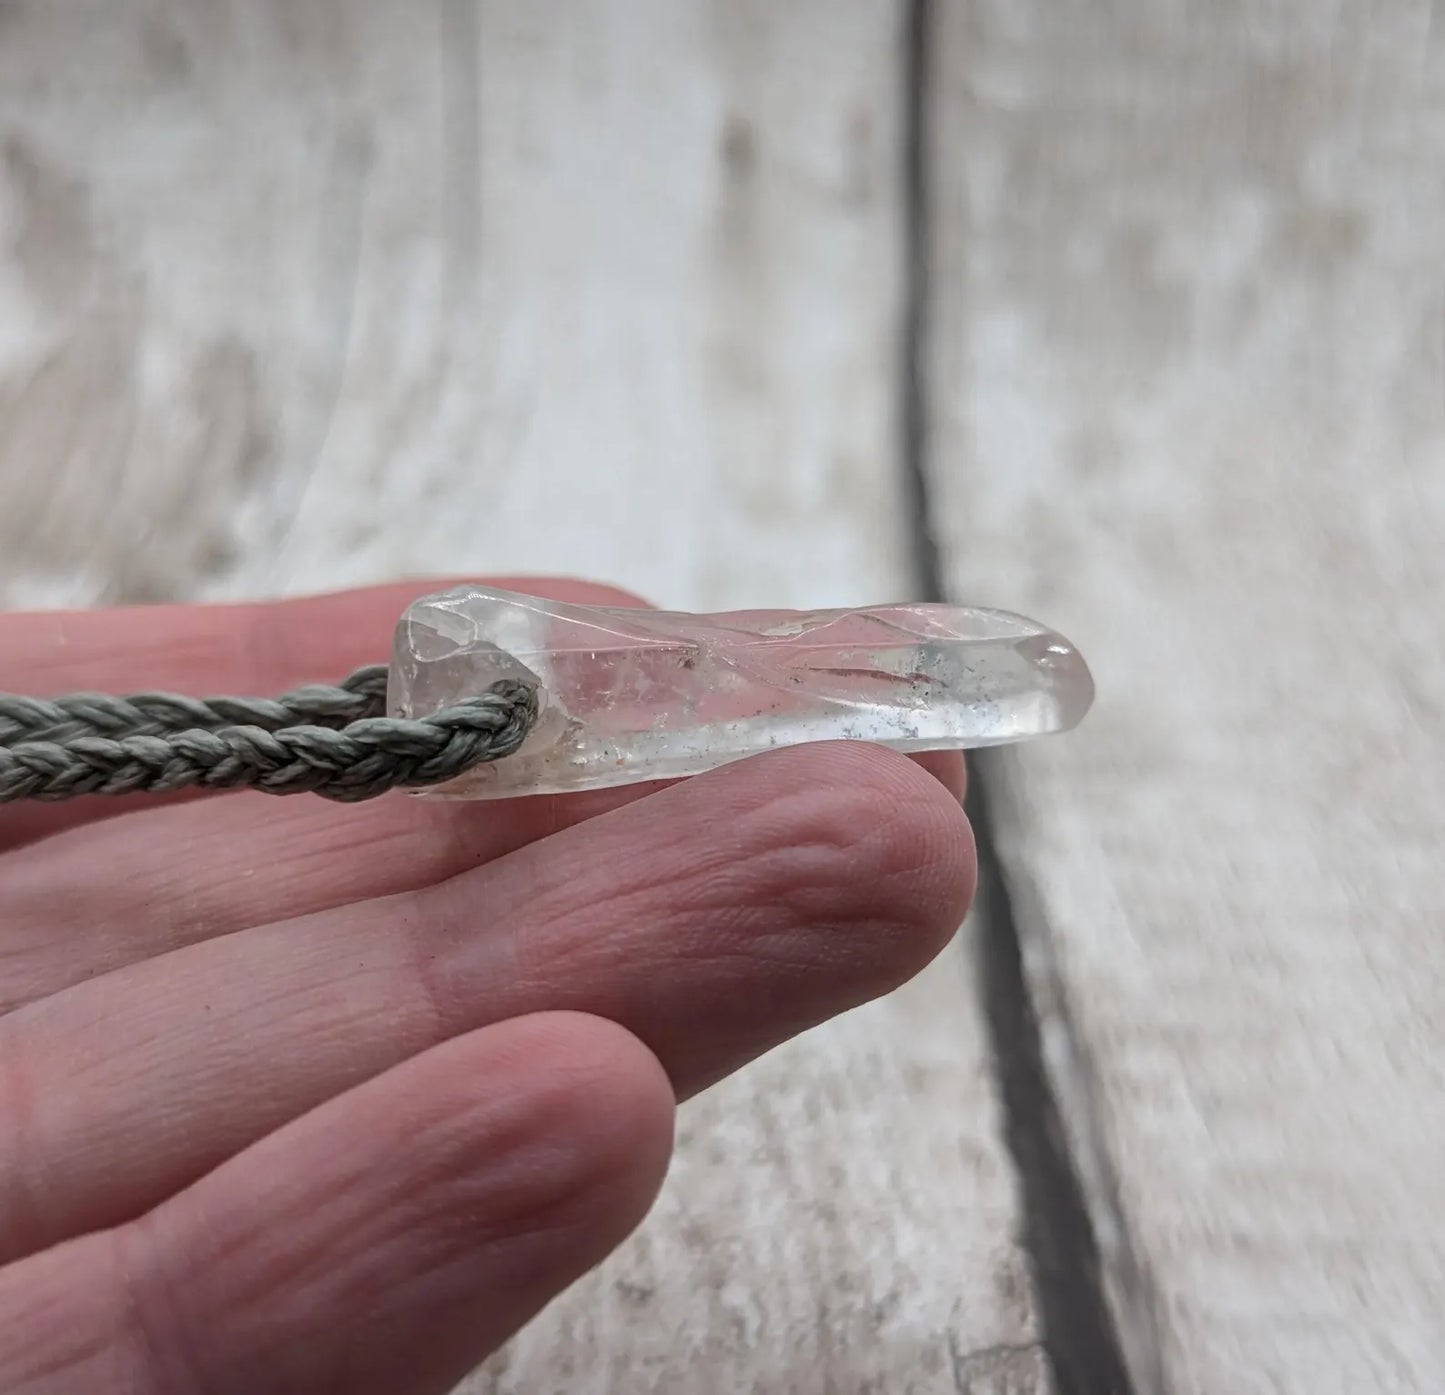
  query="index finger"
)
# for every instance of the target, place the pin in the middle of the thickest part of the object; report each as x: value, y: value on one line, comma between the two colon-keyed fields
x: 255, y: 649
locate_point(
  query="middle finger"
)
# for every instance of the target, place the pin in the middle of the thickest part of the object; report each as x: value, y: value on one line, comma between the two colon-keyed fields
x: 96, y: 898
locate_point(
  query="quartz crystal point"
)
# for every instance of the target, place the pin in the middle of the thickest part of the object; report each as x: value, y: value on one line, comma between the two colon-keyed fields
x: 630, y: 695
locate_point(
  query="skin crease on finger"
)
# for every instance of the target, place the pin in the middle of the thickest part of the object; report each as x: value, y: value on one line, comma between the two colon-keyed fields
x: 713, y: 919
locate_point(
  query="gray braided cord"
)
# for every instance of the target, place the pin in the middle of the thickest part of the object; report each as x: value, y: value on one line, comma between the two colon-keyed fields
x: 330, y: 741
x: 150, y: 714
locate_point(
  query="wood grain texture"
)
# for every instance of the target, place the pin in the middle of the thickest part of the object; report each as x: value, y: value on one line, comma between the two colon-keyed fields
x: 296, y: 295
x: 502, y: 286
x: 1188, y: 368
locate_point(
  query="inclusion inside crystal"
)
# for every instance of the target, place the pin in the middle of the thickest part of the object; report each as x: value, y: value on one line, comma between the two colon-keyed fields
x: 630, y: 695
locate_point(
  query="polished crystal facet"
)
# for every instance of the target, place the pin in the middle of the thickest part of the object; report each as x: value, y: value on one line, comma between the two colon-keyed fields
x: 631, y: 695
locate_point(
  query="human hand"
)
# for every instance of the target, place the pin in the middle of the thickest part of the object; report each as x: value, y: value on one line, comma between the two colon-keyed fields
x: 299, y: 1096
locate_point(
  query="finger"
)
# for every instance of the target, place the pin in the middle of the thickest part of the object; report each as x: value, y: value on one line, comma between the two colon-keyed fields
x: 385, y: 1242
x: 119, y: 891
x: 94, y: 899
x: 948, y: 768
x: 713, y: 919
x: 253, y: 650
x: 123, y: 890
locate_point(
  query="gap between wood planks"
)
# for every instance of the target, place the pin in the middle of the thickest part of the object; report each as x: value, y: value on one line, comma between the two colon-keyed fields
x: 1079, y: 1332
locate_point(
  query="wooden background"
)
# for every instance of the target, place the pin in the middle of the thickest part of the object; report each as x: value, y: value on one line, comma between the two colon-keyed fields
x: 1126, y: 313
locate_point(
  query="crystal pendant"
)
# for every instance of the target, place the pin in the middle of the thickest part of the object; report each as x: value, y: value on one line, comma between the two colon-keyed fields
x: 630, y: 695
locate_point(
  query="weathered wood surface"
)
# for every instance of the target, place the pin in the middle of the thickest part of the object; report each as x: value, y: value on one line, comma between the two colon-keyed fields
x: 296, y: 295
x: 1188, y: 365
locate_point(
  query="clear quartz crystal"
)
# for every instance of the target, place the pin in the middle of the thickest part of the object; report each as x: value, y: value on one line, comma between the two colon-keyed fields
x: 631, y: 695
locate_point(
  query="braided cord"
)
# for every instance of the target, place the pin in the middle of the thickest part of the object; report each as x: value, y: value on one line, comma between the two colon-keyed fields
x: 330, y: 741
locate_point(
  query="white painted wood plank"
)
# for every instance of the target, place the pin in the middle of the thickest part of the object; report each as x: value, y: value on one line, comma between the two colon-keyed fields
x: 1189, y: 377
x: 511, y: 286
x: 300, y: 295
